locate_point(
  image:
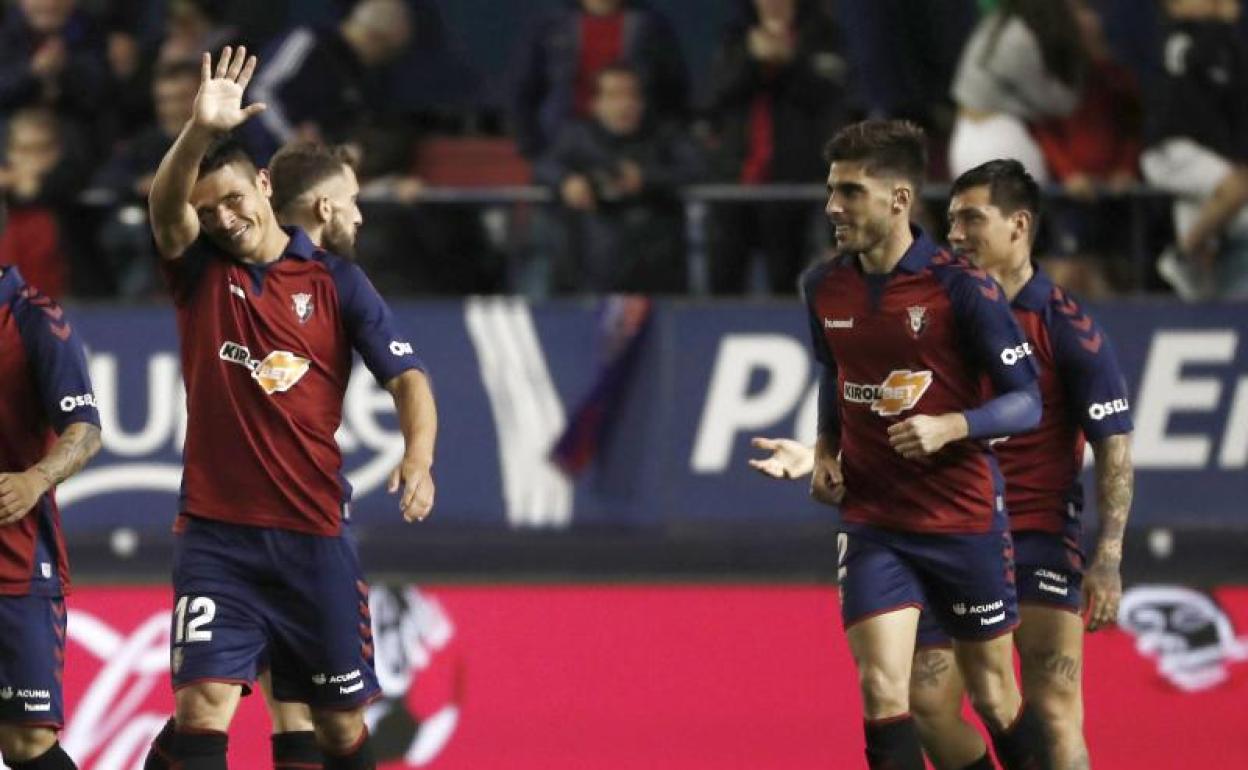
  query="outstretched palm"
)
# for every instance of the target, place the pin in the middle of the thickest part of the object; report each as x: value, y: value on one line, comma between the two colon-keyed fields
x: 219, y: 103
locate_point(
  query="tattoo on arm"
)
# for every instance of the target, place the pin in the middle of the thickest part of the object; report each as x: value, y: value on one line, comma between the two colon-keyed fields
x: 75, y: 446
x: 1114, y: 486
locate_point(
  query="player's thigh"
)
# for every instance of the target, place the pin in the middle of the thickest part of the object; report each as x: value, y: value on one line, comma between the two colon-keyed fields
x: 206, y: 705
x: 1050, y: 648
x: 322, y: 628
x: 935, y: 682
x: 339, y: 729
x: 22, y: 743
x: 883, y: 650
x: 32, y: 661
x: 285, y: 716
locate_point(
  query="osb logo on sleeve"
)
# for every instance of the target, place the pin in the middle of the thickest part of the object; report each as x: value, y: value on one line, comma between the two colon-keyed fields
x: 899, y: 392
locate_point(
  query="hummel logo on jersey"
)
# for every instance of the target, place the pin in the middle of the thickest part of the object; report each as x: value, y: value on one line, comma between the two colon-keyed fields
x: 1059, y: 590
x: 898, y: 393
x: 303, y: 306
x: 237, y: 291
x: 838, y: 323
x: 994, y: 619
x: 277, y: 373
x: 918, y: 319
x: 1101, y: 411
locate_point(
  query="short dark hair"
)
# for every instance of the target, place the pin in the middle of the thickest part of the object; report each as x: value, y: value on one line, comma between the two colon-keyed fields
x: 1010, y: 187
x: 299, y: 166
x: 226, y: 151
x: 884, y: 147
x: 616, y: 68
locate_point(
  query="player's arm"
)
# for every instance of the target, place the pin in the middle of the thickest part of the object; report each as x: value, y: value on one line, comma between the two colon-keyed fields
x: 418, y: 421
x: 827, y: 482
x: 218, y: 109
x: 59, y: 365
x: 996, y: 345
x: 1097, y: 392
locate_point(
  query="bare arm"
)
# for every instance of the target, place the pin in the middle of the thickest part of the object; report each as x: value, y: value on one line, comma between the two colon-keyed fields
x: 1114, y: 486
x: 1227, y: 199
x: 20, y: 491
x: 218, y: 109
x: 418, y: 420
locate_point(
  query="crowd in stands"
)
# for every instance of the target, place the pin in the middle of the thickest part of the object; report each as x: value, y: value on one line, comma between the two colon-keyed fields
x: 602, y: 107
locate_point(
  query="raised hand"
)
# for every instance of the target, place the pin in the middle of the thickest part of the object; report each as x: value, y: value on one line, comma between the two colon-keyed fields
x: 789, y: 459
x: 219, y: 102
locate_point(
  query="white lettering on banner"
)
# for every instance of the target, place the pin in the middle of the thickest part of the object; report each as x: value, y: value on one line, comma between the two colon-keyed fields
x: 127, y: 465
x: 1164, y: 390
x: 731, y: 407
x: 1234, y: 452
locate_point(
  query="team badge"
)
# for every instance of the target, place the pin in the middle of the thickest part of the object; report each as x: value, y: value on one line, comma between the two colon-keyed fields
x: 303, y: 306
x: 918, y: 319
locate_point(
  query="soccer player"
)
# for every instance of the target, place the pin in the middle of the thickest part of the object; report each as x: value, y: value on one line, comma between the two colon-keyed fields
x: 907, y: 335
x: 993, y: 216
x: 49, y: 429
x: 267, y: 321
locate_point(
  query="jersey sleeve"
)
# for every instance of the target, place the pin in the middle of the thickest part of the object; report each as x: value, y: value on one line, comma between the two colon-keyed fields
x: 1088, y: 369
x: 829, y: 414
x: 59, y: 362
x: 371, y: 327
x: 999, y: 348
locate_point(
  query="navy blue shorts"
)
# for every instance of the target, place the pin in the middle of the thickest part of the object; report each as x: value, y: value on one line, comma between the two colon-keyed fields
x: 1049, y: 571
x: 32, y: 660
x: 966, y: 581
x: 245, y: 597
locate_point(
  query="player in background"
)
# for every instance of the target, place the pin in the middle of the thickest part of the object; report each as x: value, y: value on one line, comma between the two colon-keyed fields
x: 993, y: 218
x: 49, y: 429
x: 906, y: 336
x: 266, y: 321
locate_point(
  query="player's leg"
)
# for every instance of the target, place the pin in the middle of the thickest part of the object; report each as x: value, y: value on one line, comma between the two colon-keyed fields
x: 32, y: 654
x: 327, y: 645
x: 218, y: 636
x: 1050, y: 639
x: 1050, y: 645
x: 294, y: 734
x: 936, y: 691
x: 880, y: 601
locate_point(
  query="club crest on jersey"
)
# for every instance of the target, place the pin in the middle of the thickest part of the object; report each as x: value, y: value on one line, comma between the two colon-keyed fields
x: 276, y: 373
x: 918, y: 319
x: 899, y: 392
x: 303, y: 306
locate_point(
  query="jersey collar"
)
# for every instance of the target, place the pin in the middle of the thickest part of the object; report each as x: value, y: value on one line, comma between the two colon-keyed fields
x: 920, y: 253
x: 300, y: 245
x: 1035, y: 293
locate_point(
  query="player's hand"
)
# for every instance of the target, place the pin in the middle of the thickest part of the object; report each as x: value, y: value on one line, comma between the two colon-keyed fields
x: 219, y: 102
x: 924, y: 435
x: 416, y: 480
x: 1102, y: 590
x: 789, y: 459
x: 827, y: 483
x: 18, y: 494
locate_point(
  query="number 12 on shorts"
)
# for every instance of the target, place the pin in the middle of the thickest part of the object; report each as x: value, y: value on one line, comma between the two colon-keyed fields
x: 190, y: 615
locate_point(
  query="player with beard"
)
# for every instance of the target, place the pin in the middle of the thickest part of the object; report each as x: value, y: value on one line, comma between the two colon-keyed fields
x: 264, y: 568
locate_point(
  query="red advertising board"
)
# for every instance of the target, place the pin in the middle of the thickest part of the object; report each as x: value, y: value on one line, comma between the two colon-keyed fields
x: 656, y: 677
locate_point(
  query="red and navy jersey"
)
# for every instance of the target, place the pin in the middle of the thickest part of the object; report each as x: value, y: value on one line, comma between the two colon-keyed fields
x: 916, y: 341
x: 44, y: 388
x: 1084, y: 394
x: 266, y: 357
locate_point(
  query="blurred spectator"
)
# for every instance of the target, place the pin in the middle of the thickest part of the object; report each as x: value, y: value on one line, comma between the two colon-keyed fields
x: 778, y: 89
x: 53, y: 54
x: 125, y: 238
x: 313, y: 79
x: 561, y: 58
x: 618, y: 177
x: 1023, y: 63
x: 1093, y: 150
x: 195, y: 26
x: 1198, y: 148
x: 39, y: 178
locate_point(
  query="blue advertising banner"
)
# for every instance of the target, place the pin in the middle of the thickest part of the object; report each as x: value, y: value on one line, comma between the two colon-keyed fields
x: 674, y: 446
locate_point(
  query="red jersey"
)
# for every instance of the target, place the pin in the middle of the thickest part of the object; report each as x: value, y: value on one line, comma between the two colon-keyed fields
x: 44, y: 388
x: 266, y: 356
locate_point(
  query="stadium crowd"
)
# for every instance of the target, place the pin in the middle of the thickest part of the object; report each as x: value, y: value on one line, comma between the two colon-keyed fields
x: 1136, y: 121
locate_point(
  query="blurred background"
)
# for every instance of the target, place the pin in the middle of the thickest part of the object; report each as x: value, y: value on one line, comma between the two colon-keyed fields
x: 590, y: 215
